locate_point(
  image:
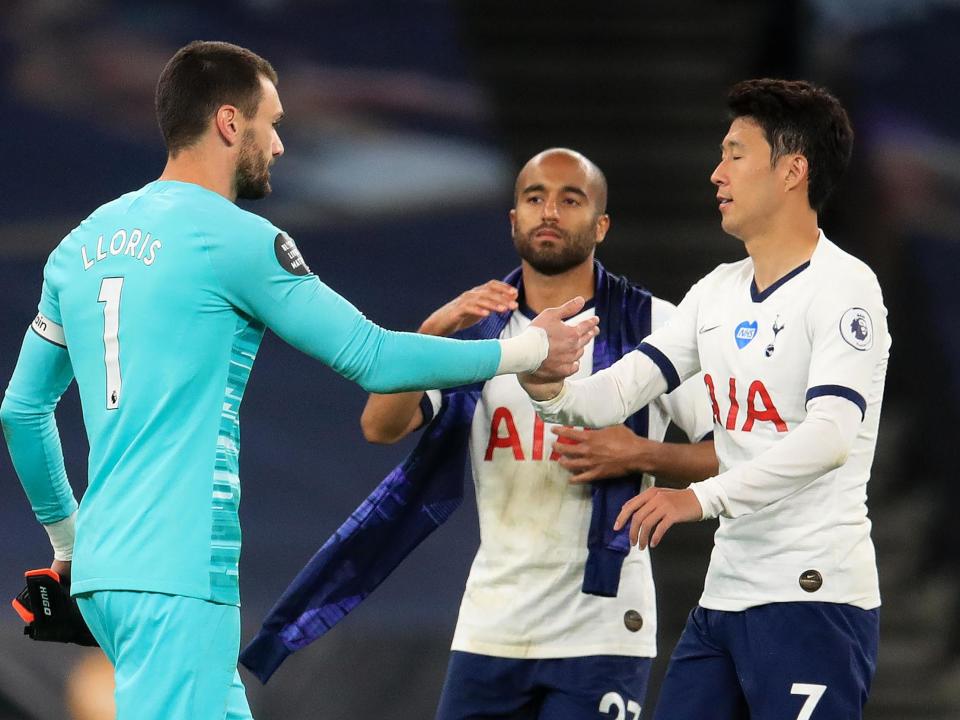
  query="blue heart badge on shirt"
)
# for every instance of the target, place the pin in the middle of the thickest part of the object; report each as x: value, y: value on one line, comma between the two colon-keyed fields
x: 745, y: 332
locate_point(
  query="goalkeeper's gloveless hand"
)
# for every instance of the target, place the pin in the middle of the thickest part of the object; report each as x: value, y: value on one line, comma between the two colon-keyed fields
x: 48, y: 610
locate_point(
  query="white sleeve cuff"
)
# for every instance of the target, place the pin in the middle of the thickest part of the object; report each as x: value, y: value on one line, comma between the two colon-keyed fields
x: 523, y: 353
x: 549, y: 409
x: 62, y: 534
x: 713, y: 498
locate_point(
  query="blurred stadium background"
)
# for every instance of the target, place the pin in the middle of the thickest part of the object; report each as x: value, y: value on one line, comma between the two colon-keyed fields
x: 406, y: 122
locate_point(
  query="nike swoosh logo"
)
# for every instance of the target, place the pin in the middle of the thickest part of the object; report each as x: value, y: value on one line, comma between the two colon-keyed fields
x: 703, y: 330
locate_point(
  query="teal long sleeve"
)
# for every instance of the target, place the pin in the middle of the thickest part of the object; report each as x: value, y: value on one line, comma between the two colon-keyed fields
x: 329, y: 328
x: 312, y: 317
x: 163, y: 296
x: 42, y: 375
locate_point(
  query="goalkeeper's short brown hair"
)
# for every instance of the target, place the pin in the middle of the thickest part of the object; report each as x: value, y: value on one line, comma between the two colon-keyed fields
x: 201, y: 77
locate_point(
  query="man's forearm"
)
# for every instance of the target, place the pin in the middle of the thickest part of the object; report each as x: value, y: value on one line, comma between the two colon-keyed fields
x: 42, y: 374
x: 537, y: 390
x: 679, y: 464
x: 34, y: 445
x: 813, y: 448
x: 389, y: 418
x: 608, y: 397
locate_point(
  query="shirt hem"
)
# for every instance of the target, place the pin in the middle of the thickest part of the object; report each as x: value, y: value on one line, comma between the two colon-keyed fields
x: 645, y: 649
x: 869, y: 602
x: 96, y: 584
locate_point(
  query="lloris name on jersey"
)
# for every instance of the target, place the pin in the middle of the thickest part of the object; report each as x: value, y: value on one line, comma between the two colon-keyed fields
x: 135, y: 244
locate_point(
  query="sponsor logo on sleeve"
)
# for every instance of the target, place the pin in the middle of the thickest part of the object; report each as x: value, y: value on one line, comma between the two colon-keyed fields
x: 288, y: 255
x: 856, y: 328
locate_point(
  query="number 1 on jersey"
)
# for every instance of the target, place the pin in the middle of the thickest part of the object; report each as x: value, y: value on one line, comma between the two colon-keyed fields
x: 110, y: 289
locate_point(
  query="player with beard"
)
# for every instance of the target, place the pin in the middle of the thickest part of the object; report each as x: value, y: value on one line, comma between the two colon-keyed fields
x: 157, y: 304
x: 537, y: 637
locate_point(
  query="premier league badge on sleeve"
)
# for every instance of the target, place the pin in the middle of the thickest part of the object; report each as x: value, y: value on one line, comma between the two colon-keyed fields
x: 856, y: 327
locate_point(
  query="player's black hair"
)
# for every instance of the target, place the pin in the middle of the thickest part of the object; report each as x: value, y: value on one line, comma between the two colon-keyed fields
x: 799, y: 117
x: 200, y: 78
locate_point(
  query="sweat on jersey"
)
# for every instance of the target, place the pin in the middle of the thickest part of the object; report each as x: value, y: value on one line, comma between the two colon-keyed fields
x: 157, y: 304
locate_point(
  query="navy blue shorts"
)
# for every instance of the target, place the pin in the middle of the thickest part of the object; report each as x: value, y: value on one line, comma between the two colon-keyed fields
x: 783, y: 661
x: 606, y: 687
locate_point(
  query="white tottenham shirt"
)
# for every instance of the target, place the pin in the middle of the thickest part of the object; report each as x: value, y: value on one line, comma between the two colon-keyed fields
x: 786, y: 370
x: 523, y: 597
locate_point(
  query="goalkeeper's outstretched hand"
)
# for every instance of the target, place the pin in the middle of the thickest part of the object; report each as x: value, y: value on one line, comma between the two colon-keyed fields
x: 48, y: 610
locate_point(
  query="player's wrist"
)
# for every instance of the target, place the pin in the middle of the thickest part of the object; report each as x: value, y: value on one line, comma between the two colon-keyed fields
x: 712, y: 498
x: 523, y: 353
x: 442, y: 322
x: 62, y: 534
x: 645, y: 457
x: 546, y: 397
x: 431, y: 326
x: 696, y: 507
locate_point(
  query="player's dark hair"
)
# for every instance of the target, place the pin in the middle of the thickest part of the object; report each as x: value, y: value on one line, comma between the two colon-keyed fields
x: 798, y: 117
x: 200, y: 78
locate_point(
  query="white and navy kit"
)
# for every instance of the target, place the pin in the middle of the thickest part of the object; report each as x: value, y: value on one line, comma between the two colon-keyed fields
x: 820, y: 331
x: 785, y: 369
x: 523, y: 598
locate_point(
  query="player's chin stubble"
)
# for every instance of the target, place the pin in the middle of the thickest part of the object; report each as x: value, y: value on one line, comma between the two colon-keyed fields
x: 566, y: 253
x: 253, y: 171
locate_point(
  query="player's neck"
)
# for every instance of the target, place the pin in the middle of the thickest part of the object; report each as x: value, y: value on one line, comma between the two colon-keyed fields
x: 545, y: 291
x: 191, y: 166
x: 782, y: 249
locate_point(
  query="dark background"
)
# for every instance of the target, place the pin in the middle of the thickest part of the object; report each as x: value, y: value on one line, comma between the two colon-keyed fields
x: 406, y: 123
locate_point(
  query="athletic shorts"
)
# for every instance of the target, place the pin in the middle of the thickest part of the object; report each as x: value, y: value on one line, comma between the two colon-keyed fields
x: 783, y: 661
x: 174, y: 657
x: 605, y: 687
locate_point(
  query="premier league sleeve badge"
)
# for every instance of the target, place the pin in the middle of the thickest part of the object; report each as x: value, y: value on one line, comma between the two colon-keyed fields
x: 856, y: 327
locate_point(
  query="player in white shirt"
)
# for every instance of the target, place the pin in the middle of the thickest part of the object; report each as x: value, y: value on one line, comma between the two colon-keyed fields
x: 793, y: 346
x: 530, y: 642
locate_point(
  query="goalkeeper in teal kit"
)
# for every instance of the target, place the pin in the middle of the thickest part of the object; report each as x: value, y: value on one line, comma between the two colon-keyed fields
x: 156, y: 304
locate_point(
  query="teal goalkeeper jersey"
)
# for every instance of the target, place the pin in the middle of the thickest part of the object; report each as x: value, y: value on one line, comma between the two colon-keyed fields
x: 157, y: 304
